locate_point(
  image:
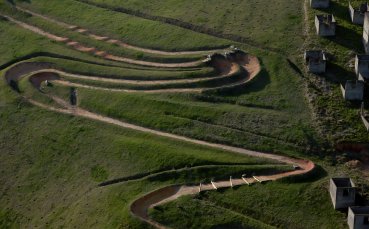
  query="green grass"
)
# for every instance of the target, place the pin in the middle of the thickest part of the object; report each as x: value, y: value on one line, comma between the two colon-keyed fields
x: 276, y: 25
x: 89, y: 42
x: 134, y: 31
x: 283, y: 205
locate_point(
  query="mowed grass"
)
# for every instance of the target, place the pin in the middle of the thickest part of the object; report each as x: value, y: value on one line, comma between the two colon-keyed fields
x: 340, y: 120
x: 282, y: 205
x: 276, y: 25
x: 133, y: 30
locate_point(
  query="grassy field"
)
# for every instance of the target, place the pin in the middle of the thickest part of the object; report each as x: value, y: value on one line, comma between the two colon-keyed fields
x: 51, y: 163
x: 276, y: 26
x: 162, y: 36
x: 278, y: 204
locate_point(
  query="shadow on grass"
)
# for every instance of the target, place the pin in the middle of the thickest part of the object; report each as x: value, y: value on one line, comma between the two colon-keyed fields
x: 337, y: 74
x: 316, y: 174
x: 258, y: 84
x: 347, y: 38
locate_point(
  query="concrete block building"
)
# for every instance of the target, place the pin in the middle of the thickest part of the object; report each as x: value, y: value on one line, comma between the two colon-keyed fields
x: 342, y: 191
x: 358, y: 217
x: 358, y: 14
x: 325, y: 25
x: 316, y: 61
x: 353, y: 90
x: 362, y: 67
x: 319, y: 4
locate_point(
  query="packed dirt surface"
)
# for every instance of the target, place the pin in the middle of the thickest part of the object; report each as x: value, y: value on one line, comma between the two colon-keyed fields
x: 114, y: 41
x: 79, y: 47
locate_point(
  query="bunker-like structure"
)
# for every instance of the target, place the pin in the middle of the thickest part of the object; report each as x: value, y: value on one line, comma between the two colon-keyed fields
x: 353, y: 90
x: 358, y: 14
x: 319, y: 4
x: 316, y: 61
x: 358, y: 217
x: 342, y: 191
x: 325, y: 25
x: 366, y: 33
x: 362, y: 67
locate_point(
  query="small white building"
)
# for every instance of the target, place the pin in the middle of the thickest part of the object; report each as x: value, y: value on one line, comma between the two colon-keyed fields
x: 319, y: 4
x: 358, y: 217
x: 362, y: 67
x: 316, y: 61
x: 325, y: 25
x: 342, y: 192
x: 353, y: 90
x: 358, y: 14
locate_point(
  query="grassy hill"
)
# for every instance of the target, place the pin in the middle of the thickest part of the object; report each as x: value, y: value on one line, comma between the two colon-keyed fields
x: 52, y: 164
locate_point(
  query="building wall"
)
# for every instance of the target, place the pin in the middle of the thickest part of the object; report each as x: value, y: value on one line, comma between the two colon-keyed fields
x: 344, y: 201
x: 319, y: 3
x: 324, y: 30
x: 356, y: 17
x: 332, y: 192
x: 366, y: 33
x: 351, y: 219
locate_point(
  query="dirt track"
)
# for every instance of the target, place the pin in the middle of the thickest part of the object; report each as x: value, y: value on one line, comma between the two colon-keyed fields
x: 79, y: 47
x: 114, y: 41
x: 140, y: 206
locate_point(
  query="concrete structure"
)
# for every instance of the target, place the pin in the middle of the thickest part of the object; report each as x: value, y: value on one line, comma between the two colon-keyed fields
x: 316, y: 4
x: 362, y: 67
x: 353, y: 90
x: 358, y: 15
x: 325, y: 25
x: 358, y: 217
x: 316, y: 61
x: 342, y: 191
x: 366, y: 32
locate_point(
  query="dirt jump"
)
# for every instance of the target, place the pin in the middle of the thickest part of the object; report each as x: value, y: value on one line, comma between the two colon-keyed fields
x: 227, y: 68
x: 117, y: 42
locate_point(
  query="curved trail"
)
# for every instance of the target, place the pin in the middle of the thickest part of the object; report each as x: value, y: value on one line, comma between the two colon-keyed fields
x: 79, y: 47
x: 233, y: 70
x: 249, y: 63
x: 140, y: 207
x: 118, y: 42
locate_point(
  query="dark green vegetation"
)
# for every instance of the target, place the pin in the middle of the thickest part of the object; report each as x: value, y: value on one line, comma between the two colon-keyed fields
x: 51, y: 164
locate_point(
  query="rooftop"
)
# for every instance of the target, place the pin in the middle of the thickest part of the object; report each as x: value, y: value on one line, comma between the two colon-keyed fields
x: 343, y: 182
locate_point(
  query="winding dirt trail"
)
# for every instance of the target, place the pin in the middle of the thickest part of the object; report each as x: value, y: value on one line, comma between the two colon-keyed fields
x: 118, y: 42
x: 249, y: 63
x: 139, y: 207
x: 92, y: 50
